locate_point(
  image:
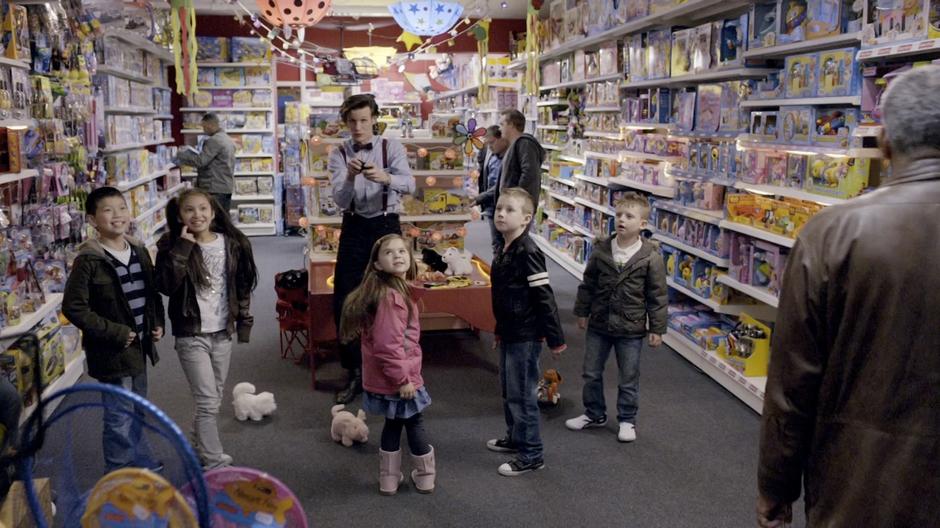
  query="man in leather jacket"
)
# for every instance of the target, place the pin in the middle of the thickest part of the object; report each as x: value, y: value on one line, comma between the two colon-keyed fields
x: 853, y: 392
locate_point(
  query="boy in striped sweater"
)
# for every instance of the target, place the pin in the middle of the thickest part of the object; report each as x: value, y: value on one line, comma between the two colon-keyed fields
x: 110, y: 296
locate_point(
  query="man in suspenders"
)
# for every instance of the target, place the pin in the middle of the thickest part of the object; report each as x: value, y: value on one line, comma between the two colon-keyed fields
x: 369, y: 174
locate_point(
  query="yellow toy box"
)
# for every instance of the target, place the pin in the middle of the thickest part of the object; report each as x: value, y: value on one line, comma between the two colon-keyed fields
x: 838, y: 177
x: 748, y: 347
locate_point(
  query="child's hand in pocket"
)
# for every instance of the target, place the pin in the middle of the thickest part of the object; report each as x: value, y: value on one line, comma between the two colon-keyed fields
x: 407, y: 391
x: 130, y: 339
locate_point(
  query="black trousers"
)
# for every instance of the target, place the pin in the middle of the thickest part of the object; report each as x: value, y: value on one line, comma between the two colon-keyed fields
x: 225, y: 200
x: 414, y: 427
x: 355, y: 245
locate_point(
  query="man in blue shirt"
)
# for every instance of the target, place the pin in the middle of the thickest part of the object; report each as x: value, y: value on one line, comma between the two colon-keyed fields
x: 369, y: 174
x: 496, y: 147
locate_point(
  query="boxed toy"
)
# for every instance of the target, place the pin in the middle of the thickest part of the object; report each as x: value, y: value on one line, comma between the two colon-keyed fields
x: 15, y: 30
x: 824, y: 18
x: 681, y: 52
x: 776, y: 168
x: 792, y: 22
x: 635, y: 9
x: 657, y: 7
x: 701, y: 47
x: 733, y: 117
x: 212, y: 49
x: 800, y: 75
x: 897, y: 22
x: 764, y: 126
x: 708, y: 108
x: 659, y: 44
x: 763, y: 25
x: 684, y: 109
x: 838, y: 73
x: 748, y: 347
x: 838, y: 177
x: 797, y: 124
x: 245, y: 186
x: 767, y: 265
x: 574, y: 26
x: 249, y: 49
x: 205, y: 77
x: 835, y: 125
x: 732, y: 40
x: 257, y: 76
x: 230, y: 77
x: 684, y: 266
x: 796, y: 170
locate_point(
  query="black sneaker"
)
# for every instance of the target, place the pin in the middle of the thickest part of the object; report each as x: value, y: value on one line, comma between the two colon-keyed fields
x: 514, y: 468
x: 501, y: 445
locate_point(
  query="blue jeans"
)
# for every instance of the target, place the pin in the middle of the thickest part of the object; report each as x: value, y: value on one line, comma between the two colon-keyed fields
x: 596, y: 351
x: 123, y: 443
x: 519, y: 374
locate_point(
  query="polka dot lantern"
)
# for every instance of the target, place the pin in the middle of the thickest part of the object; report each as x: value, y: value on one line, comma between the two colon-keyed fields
x: 294, y: 13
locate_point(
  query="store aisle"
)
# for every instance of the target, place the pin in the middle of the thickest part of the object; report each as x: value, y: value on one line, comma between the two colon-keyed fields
x: 693, y: 465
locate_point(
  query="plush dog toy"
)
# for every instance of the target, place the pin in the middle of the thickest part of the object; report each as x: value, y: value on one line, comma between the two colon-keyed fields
x: 348, y: 428
x: 458, y: 262
x: 548, y: 387
x: 250, y: 405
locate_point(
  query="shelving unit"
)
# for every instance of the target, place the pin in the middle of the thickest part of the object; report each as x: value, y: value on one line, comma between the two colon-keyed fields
x: 567, y: 263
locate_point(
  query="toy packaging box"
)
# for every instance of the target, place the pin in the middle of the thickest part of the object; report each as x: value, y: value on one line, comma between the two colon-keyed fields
x: 659, y: 44
x: 767, y: 265
x: 635, y: 9
x: 708, y: 108
x: 763, y: 25
x: 764, y: 126
x: 834, y: 126
x: 684, y: 110
x: 792, y: 21
x: 657, y: 7
x: 15, y: 30
x: 797, y: 124
x: 733, y: 117
x: 800, y: 75
x: 636, y: 67
x: 701, y: 48
x: 824, y: 18
x: 212, y: 49
x: 899, y: 21
x: 796, y: 170
x: 681, y: 52
x: 838, y: 73
x: 230, y: 77
x: 838, y: 177
x: 250, y: 49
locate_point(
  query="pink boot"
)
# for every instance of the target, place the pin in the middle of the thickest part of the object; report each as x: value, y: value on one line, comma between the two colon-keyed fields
x: 424, y: 472
x: 389, y: 472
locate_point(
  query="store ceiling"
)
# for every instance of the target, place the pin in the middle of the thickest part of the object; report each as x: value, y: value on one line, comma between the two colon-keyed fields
x: 379, y: 8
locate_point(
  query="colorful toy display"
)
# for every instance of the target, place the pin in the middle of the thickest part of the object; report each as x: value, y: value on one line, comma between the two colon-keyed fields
x: 800, y: 75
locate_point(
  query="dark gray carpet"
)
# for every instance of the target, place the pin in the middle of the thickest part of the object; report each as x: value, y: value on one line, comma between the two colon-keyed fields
x: 692, y: 466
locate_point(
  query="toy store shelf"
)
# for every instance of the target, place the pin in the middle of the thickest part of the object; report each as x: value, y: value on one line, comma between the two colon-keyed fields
x: 748, y: 390
x: 245, y: 64
x: 644, y: 156
x: 573, y: 159
x: 17, y: 124
x: 141, y: 43
x: 696, y: 78
x: 178, y: 187
x: 252, y: 197
x: 729, y: 309
x: 126, y: 186
x: 323, y: 104
x: 437, y: 218
x: 28, y: 321
x: 124, y: 74
x: 455, y: 93
x: 788, y: 192
x: 546, y: 166
x: 601, y: 155
x: 518, y: 63
x: 780, y: 240
x: 73, y: 371
x: 704, y: 215
x: 548, y: 146
x: 567, y: 263
x: 440, y: 172
x: 591, y: 179
x: 259, y: 173
x: 607, y: 210
x: 602, y: 109
x: 761, y: 294
x: 240, y: 87
x: 23, y: 65
x: 682, y: 174
x: 131, y: 146
x: 11, y: 177
x: 163, y: 116
x: 422, y: 141
x: 153, y: 209
x: 551, y: 127
x: 236, y: 131
x: 570, y: 227
x: 562, y: 181
x: 680, y: 12
x: 259, y: 229
x: 322, y: 257
x: 612, y: 77
x: 560, y: 197
x: 604, y: 135
x: 781, y: 51
x: 854, y: 100
x: 929, y: 46
x: 658, y: 190
x: 227, y: 109
x: 704, y: 255
x: 751, y: 142
x: 258, y: 155
x: 141, y: 110
x: 553, y: 102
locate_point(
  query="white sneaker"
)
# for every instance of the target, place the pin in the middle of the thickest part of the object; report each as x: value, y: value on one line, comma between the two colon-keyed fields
x: 585, y: 422
x: 627, y: 432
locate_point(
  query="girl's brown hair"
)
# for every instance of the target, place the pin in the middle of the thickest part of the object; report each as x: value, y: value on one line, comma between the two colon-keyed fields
x: 360, y: 306
x: 222, y: 224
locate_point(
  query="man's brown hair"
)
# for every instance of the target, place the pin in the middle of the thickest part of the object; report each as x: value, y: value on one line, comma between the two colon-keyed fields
x: 515, y: 118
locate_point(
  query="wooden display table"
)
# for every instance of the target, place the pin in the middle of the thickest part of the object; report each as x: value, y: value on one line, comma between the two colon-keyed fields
x: 441, y: 308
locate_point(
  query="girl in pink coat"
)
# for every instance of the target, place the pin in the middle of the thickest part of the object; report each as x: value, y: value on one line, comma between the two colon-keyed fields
x: 382, y: 313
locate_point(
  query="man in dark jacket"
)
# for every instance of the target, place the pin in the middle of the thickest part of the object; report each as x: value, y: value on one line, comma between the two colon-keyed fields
x: 111, y: 297
x: 214, y: 163
x: 522, y: 162
x: 852, y: 401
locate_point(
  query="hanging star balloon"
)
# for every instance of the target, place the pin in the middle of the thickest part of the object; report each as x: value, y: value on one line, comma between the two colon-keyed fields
x: 410, y: 40
x: 469, y: 136
x: 425, y: 17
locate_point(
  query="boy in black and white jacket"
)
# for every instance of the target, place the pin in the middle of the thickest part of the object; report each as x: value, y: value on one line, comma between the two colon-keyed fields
x: 526, y: 314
